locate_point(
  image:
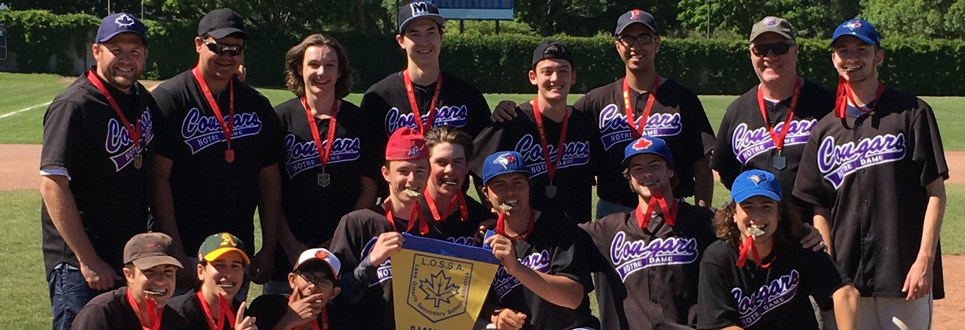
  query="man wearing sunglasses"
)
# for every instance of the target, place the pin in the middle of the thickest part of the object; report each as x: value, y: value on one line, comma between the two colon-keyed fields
x: 219, y: 142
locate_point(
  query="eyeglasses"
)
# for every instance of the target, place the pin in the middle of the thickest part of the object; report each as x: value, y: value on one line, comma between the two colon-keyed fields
x: 640, y: 39
x: 222, y: 49
x: 317, y: 282
x: 779, y: 48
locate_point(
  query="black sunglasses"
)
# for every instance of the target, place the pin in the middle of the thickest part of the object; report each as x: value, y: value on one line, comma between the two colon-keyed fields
x: 641, y: 39
x: 779, y: 48
x: 221, y: 49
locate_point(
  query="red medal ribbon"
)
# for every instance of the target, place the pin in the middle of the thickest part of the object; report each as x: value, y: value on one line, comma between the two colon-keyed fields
x: 225, y: 312
x: 749, y: 245
x: 153, y: 312
x: 779, y: 139
x: 414, y: 217
x: 226, y: 127
x: 323, y: 153
x: 845, y: 94
x: 410, y: 92
x: 550, y: 165
x: 637, y: 132
x: 323, y: 315
x: 501, y: 226
x: 457, y: 198
x: 657, y: 200
x: 132, y: 130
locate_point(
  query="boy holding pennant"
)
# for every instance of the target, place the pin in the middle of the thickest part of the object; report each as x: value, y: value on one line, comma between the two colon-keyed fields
x: 544, y: 278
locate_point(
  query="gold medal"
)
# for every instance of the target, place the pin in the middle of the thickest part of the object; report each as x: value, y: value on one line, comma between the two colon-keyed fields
x: 138, y: 161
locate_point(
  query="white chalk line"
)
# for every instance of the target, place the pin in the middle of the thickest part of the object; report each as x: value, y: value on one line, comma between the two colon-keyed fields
x: 24, y: 109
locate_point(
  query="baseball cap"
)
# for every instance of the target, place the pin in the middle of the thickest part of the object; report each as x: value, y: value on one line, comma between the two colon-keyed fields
x: 503, y: 162
x: 216, y: 245
x: 118, y: 23
x: 220, y: 23
x: 776, y: 25
x: 857, y: 28
x: 636, y: 16
x: 552, y: 49
x: 415, y: 10
x: 406, y: 144
x: 147, y: 250
x: 755, y: 183
x: 647, y: 145
x: 322, y: 256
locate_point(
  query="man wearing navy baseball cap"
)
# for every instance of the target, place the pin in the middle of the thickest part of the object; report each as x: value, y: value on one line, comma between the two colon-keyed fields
x: 98, y: 146
x: 875, y: 172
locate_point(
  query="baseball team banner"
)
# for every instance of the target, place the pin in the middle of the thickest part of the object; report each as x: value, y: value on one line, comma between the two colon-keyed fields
x: 438, y: 284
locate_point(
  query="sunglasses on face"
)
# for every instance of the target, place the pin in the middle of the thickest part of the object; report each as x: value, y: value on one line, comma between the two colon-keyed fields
x: 641, y: 39
x: 779, y: 48
x: 222, y: 49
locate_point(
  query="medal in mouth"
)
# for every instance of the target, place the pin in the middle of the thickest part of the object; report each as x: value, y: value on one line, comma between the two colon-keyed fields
x: 412, y: 192
x: 155, y: 292
x: 756, y: 231
x: 508, y: 205
x: 852, y: 68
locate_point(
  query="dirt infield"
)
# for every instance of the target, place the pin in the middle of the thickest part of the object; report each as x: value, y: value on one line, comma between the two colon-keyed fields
x: 19, y: 167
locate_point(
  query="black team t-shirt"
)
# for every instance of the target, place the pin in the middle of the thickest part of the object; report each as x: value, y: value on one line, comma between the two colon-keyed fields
x: 268, y: 310
x: 111, y: 311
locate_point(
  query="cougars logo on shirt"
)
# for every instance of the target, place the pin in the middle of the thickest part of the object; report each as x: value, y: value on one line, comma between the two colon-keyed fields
x: 752, y: 308
x: 304, y: 155
x: 748, y: 143
x: 503, y: 282
x: 836, y: 162
x: 447, y: 115
x: 118, y: 138
x: 575, y: 153
x: 631, y: 256
x: 615, y: 129
x: 201, y: 132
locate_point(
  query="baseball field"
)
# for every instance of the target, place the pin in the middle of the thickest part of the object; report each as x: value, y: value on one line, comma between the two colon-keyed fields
x: 24, y: 98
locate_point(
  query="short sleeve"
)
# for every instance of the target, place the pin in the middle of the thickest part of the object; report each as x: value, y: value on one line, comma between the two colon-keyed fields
x: 485, y: 144
x: 166, y: 123
x: 809, y: 184
x: 716, y: 305
x: 479, y: 113
x: 724, y: 161
x: 569, y: 258
x: 929, y: 154
x: 700, y: 135
x: 64, y: 136
x: 590, y: 233
x: 821, y: 275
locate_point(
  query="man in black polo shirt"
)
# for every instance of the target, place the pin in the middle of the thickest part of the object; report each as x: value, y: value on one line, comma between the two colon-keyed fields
x: 98, y: 141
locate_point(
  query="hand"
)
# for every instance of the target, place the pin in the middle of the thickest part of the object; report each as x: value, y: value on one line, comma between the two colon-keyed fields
x: 261, y: 267
x: 508, y: 319
x: 243, y: 322
x: 505, y: 111
x: 813, y: 240
x: 918, y: 282
x: 387, y: 243
x: 98, y: 274
x: 302, y: 309
x: 241, y: 73
x: 503, y: 250
x: 483, y: 226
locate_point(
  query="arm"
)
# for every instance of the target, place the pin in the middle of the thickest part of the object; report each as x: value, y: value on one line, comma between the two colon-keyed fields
x: 368, y: 195
x: 918, y: 282
x: 823, y: 225
x: 271, y: 215
x: 704, y: 182
x: 556, y: 289
x: 63, y: 213
x: 846, y: 307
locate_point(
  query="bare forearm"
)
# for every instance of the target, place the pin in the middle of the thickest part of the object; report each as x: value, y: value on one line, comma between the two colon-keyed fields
x: 368, y: 195
x: 703, y: 182
x: 846, y: 307
x: 558, y: 290
x: 823, y: 225
x: 934, y: 213
x: 269, y: 206
x: 63, y: 213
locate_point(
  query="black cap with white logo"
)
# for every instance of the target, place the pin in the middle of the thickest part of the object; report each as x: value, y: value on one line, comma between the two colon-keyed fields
x: 408, y: 13
x: 636, y: 16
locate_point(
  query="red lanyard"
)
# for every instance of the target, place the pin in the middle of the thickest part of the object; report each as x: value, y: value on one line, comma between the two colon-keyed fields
x: 153, y: 312
x: 323, y: 153
x: 657, y: 199
x: 458, y: 198
x: 845, y: 94
x: 551, y: 165
x: 227, y: 128
x: 414, y: 217
x: 324, y: 317
x: 749, y: 245
x: 637, y: 132
x: 225, y: 313
x: 415, y: 106
x: 779, y: 139
x: 501, y: 226
x: 132, y: 130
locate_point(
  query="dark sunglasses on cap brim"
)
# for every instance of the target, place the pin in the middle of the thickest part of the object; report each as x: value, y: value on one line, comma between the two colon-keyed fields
x: 222, y: 49
x: 779, y: 48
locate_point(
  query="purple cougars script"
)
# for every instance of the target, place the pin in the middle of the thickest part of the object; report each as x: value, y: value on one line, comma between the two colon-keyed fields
x: 503, y: 282
x: 118, y: 138
x: 631, y: 256
x: 748, y: 144
x: 303, y: 155
x: 200, y: 132
x: 752, y: 308
x: 614, y: 128
x: 839, y: 161
x: 575, y: 153
x: 455, y: 116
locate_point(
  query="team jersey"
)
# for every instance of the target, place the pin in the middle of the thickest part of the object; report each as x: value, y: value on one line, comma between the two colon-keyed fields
x: 677, y: 117
x: 744, y: 141
x: 189, y: 307
x: 871, y: 171
x: 652, y: 273
x: 574, y: 174
x: 268, y: 310
x: 553, y: 247
x: 754, y: 297
x: 369, y: 287
x: 311, y: 209
x: 460, y: 105
x: 110, y: 186
x: 111, y: 311
x: 210, y: 194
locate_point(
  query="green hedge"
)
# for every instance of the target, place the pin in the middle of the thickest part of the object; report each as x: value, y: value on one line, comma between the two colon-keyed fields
x: 495, y: 63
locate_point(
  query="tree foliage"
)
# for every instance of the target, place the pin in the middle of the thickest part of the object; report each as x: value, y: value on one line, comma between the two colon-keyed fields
x: 917, y: 18
x: 811, y: 18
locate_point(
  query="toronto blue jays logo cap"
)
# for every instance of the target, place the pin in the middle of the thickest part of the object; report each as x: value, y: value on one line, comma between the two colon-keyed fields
x: 503, y: 162
x: 752, y: 183
x: 857, y: 28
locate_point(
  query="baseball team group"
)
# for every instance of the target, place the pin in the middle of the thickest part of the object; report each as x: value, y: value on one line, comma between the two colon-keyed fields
x: 149, y: 197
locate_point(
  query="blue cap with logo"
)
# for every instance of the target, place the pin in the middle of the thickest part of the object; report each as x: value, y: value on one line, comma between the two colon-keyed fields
x: 636, y: 16
x: 857, y: 28
x: 118, y: 23
x: 752, y: 183
x: 408, y: 13
x: 648, y: 145
x: 503, y: 162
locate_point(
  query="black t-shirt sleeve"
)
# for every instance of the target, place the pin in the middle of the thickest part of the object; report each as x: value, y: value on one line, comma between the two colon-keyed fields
x: 485, y: 144
x: 268, y: 310
x: 724, y: 161
x: 166, y: 123
x: 700, y: 139
x: 479, y: 113
x: 809, y: 183
x: 716, y: 305
x: 373, y: 148
x: 93, y: 317
x: 63, y: 136
x: 592, y: 231
x: 929, y: 154
x: 821, y: 275
x: 274, y: 135
x: 569, y: 258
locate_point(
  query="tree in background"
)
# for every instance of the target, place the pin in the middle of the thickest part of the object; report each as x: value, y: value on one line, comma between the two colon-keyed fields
x: 917, y: 18
x: 812, y: 18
